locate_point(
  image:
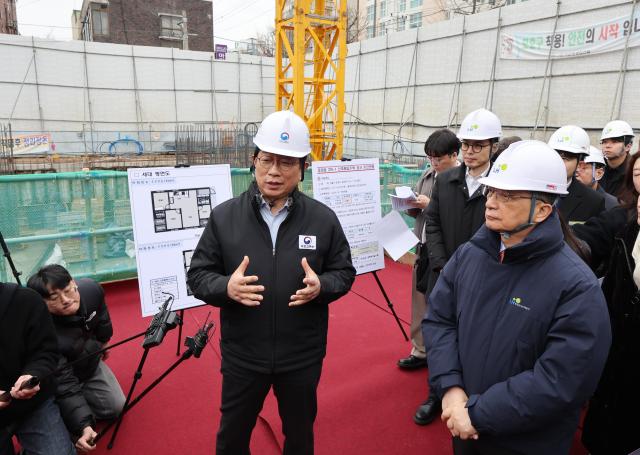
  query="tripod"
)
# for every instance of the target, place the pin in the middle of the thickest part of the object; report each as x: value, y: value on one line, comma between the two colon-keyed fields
x: 162, y: 322
x: 7, y: 254
x: 194, y: 348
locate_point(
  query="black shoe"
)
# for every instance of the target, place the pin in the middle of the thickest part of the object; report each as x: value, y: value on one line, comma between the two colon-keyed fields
x: 428, y: 411
x: 412, y: 363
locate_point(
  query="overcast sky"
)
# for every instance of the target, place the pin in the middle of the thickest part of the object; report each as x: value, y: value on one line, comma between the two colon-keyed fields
x: 232, y: 19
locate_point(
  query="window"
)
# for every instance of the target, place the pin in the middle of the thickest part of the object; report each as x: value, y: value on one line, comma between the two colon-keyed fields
x: 170, y: 26
x: 415, y: 3
x: 371, y: 31
x: 415, y: 20
x: 371, y: 11
x: 100, y: 20
x: 401, y: 24
x: 383, y: 9
x: 402, y: 5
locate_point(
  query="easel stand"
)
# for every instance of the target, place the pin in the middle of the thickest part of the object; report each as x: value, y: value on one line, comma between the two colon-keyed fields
x: 390, y: 305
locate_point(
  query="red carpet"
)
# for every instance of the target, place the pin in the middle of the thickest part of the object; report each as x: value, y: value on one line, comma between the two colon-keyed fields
x: 366, y: 403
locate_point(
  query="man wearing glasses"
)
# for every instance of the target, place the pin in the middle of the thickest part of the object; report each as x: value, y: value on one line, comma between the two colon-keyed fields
x: 89, y: 390
x: 572, y: 144
x: 456, y: 210
x: 517, y: 331
x: 272, y: 259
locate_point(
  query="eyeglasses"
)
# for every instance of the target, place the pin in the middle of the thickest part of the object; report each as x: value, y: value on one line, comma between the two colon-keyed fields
x: 266, y: 162
x: 68, y: 292
x: 503, y: 196
x: 477, y: 148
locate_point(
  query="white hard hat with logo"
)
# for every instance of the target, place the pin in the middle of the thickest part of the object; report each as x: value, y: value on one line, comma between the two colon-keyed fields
x: 572, y: 139
x: 283, y: 133
x: 595, y: 156
x: 616, y: 128
x: 479, y: 125
x: 528, y: 166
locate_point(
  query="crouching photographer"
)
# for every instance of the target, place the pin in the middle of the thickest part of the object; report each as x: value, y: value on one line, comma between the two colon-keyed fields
x: 89, y: 390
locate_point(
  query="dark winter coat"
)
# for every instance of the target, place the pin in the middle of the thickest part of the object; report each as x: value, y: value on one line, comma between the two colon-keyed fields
x: 581, y: 203
x: 610, y: 427
x: 599, y: 233
x: 452, y: 217
x: 78, y: 335
x: 27, y: 346
x: 272, y: 337
x: 613, y: 179
x: 526, y: 338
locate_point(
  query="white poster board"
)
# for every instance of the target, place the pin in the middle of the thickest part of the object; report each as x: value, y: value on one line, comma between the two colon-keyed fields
x: 352, y: 190
x: 170, y: 208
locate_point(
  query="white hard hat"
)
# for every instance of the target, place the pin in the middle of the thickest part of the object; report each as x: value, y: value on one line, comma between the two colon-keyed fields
x: 528, y: 166
x: 479, y: 125
x: 283, y: 133
x: 616, y: 128
x: 595, y: 156
x: 570, y: 138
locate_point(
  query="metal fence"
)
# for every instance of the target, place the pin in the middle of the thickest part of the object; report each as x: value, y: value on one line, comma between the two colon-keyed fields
x: 206, y: 144
x: 83, y: 219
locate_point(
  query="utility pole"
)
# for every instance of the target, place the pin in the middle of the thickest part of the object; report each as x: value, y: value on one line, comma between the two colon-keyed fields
x: 474, y: 6
x: 185, y: 33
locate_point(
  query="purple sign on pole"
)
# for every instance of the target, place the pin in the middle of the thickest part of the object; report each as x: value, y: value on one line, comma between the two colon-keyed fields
x: 221, y: 52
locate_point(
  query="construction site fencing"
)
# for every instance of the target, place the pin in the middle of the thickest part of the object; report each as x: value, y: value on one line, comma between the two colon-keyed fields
x: 83, y: 219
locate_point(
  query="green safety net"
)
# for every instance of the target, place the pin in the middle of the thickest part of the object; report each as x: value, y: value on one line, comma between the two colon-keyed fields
x: 82, y: 220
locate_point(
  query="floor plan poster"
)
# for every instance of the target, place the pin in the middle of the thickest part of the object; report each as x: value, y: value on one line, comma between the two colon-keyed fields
x: 170, y: 208
x: 352, y: 190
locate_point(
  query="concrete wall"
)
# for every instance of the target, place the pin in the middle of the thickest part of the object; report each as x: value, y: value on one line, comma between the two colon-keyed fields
x: 86, y: 93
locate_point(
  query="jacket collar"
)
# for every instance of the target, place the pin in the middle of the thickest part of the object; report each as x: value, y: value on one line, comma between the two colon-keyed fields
x: 545, y: 239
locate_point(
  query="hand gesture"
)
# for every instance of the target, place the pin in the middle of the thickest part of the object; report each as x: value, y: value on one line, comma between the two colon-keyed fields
x: 85, y: 442
x: 240, y: 289
x: 311, y: 291
x: 23, y: 394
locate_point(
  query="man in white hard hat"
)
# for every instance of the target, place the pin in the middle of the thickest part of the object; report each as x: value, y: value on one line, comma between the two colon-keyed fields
x: 456, y: 210
x: 272, y: 259
x: 590, y: 172
x: 616, y: 140
x: 572, y: 144
x: 517, y: 331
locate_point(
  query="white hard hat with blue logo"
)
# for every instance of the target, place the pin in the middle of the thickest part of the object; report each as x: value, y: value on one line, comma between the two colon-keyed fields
x: 283, y: 133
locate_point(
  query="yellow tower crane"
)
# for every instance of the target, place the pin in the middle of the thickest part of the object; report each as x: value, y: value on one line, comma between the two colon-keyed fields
x: 311, y: 47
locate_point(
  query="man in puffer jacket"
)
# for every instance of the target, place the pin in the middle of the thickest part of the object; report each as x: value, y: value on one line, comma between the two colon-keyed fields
x: 517, y: 333
x: 88, y: 390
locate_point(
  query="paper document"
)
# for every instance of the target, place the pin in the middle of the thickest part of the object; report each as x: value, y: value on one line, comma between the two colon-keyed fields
x: 403, y: 198
x: 394, y: 235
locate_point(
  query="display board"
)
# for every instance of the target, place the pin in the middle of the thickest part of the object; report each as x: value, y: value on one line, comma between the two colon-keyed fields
x: 170, y: 208
x: 352, y: 190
